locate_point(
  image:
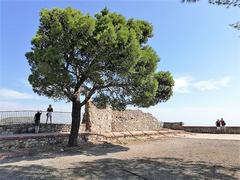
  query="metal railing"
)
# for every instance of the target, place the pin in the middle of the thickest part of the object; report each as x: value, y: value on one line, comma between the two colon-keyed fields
x: 27, y: 116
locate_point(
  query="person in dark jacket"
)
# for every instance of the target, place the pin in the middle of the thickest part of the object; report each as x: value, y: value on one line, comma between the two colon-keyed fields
x: 37, y: 118
x: 218, y: 125
x: 49, y: 113
x: 223, y: 124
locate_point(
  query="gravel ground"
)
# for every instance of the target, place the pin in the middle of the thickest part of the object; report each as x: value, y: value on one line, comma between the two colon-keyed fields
x: 191, y: 156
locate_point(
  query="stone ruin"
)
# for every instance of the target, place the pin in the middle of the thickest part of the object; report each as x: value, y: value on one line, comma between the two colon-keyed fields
x: 108, y: 120
x: 101, y: 120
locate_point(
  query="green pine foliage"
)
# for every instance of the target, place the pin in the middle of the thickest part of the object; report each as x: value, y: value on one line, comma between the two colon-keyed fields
x: 105, y: 57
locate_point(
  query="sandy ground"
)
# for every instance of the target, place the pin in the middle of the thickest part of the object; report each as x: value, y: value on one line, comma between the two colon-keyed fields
x: 190, y: 156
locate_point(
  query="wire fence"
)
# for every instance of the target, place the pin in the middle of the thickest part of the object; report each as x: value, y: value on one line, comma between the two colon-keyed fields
x: 24, y: 117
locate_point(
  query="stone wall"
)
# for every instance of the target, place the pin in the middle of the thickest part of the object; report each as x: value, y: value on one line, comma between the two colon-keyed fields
x: 108, y: 120
x: 173, y: 125
x: 12, y: 142
x: 201, y: 129
x: 100, y: 118
x: 29, y: 128
x: 133, y: 120
x: 19, y: 141
x: 212, y: 129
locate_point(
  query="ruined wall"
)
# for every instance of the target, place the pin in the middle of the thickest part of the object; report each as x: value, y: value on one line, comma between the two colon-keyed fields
x: 133, y: 120
x: 108, y: 120
x: 100, y: 118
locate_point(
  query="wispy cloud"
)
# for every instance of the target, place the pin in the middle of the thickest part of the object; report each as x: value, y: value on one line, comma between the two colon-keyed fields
x: 6, y: 93
x: 188, y: 84
x: 182, y: 84
x: 212, y: 84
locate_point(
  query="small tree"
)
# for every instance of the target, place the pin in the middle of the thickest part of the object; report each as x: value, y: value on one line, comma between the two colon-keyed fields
x: 75, y: 56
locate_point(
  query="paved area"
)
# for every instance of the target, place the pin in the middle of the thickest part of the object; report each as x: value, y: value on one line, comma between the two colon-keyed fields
x: 185, y: 157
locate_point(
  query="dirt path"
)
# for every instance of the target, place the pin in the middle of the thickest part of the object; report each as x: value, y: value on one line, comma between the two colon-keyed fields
x: 185, y: 157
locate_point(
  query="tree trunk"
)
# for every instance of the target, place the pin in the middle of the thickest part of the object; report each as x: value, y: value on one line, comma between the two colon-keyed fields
x: 76, y: 117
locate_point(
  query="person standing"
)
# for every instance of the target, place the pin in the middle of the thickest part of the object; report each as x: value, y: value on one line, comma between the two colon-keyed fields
x: 49, y: 113
x: 218, y: 125
x: 223, y: 124
x: 37, y: 118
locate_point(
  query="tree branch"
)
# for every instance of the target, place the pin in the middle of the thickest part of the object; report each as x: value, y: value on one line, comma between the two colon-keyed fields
x: 91, y: 92
x: 111, y: 85
x: 78, y: 85
x: 95, y: 87
x: 68, y: 94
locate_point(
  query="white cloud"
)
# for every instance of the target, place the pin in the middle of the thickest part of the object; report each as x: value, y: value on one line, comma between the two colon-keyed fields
x: 186, y: 84
x: 12, y: 94
x: 212, y: 84
x: 182, y: 84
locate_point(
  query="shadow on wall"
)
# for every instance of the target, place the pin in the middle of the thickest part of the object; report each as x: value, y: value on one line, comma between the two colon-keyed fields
x: 144, y: 168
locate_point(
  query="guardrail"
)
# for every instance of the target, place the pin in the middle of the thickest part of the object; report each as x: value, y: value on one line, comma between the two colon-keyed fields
x: 27, y: 116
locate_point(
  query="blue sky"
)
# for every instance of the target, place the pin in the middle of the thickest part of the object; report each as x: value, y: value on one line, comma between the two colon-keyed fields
x: 194, y: 42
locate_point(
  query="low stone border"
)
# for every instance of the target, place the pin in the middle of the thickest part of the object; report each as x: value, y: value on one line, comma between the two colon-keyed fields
x: 17, y: 141
x: 212, y: 129
x: 29, y: 128
x: 201, y: 129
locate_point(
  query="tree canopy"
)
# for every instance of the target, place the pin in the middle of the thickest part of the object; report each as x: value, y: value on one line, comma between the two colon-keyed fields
x: 76, y: 57
x: 74, y: 53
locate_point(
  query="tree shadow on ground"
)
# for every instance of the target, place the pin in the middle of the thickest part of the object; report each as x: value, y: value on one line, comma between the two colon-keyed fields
x: 28, y: 172
x: 152, y: 168
x: 60, y: 151
x: 109, y: 168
